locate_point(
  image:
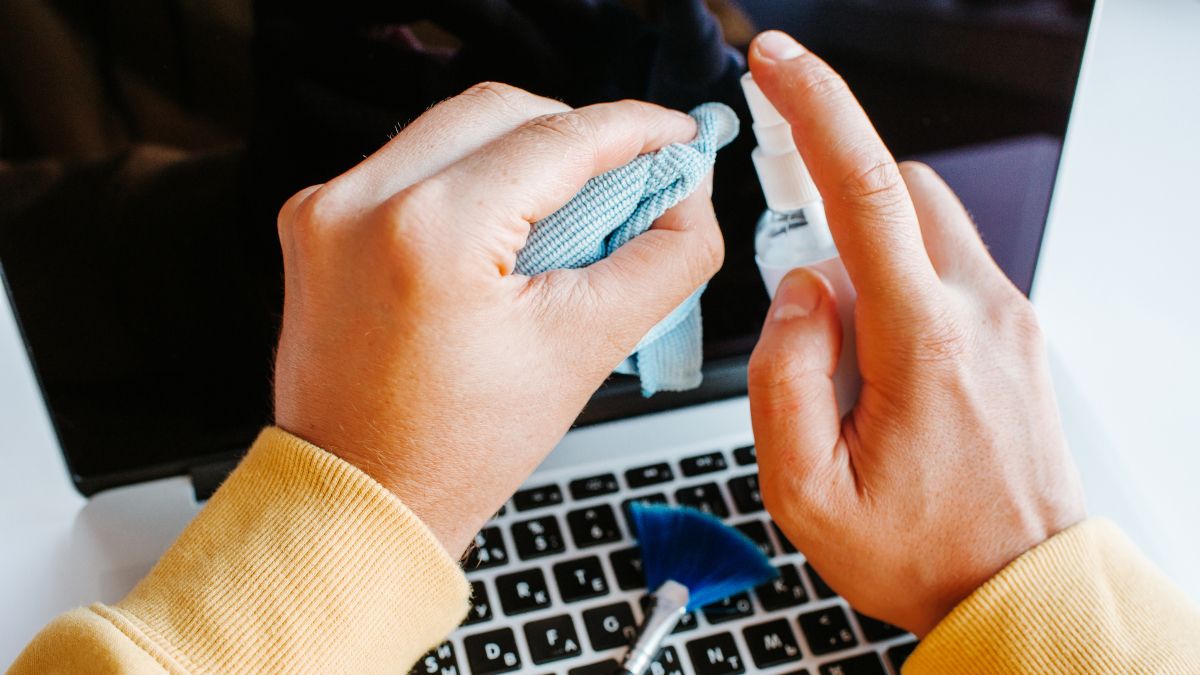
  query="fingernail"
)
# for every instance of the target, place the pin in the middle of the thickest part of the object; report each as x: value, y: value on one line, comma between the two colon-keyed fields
x: 778, y: 46
x: 798, y: 295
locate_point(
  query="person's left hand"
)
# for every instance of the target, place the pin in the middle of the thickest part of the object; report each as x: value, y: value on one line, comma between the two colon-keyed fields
x: 409, y: 347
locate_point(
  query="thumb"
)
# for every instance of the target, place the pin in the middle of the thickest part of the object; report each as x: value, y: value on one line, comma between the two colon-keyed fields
x: 792, y: 399
x: 652, y: 274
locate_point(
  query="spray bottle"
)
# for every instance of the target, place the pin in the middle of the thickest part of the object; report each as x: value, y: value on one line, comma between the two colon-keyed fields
x: 793, y: 231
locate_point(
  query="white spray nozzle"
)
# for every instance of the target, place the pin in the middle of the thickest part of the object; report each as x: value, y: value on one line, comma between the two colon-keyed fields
x: 785, y: 180
x: 761, y: 110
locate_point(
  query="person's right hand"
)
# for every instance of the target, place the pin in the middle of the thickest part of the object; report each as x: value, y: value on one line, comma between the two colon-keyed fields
x: 953, y: 462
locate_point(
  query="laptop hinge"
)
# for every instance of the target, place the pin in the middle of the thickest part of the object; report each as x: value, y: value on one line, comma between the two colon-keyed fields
x: 207, y: 477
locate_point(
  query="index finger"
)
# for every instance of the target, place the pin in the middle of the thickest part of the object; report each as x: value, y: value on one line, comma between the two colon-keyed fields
x: 530, y: 172
x: 871, y: 215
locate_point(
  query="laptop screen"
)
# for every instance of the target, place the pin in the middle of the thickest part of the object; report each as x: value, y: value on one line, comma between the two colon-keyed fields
x: 143, y: 162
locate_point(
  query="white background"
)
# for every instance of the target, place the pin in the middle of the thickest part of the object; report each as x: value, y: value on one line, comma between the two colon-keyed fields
x: 1117, y: 291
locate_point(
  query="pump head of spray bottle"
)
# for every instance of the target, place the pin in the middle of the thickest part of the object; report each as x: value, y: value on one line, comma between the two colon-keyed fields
x: 790, y: 192
x: 785, y: 180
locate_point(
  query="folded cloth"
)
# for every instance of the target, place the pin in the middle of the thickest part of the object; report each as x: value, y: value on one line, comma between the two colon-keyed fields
x: 617, y: 206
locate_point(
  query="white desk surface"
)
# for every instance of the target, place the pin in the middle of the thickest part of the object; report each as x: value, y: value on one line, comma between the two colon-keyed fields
x: 1117, y: 291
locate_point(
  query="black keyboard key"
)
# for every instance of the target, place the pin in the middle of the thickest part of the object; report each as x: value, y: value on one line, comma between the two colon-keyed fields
x: 654, y: 498
x: 580, y: 579
x: 492, y: 652
x: 705, y: 497
x: 522, y: 591
x: 649, y: 475
x: 821, y: 588
x: 481, y: 605
x: 899, y: 654
x: 608, y: 667
x: 863, y: 664
x: 610, y: 626
x: 827, y: 630
x: 487, y: 550
x: 772, y: 643
x: 593, y: 526
x: 746, y: 496
x: 716, y: 655
x: 694, y: 466
x: 686, y: 622
x: 875, y: 630
x: 787, y: 590
x: 439, y: 661
x: 733, y: 607
x: 536, y: 498
x: 627, y: 565
x: 784, y: 542
x: 745, y: 456
x: 666, y: 663
x: 552, y: 639
x: 758, y: 534
x: 538, y: 537
x: 593, y: 486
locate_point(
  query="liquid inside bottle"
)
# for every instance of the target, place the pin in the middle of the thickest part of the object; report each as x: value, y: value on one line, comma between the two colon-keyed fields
x: 793, y: 238
x: 785, y: 240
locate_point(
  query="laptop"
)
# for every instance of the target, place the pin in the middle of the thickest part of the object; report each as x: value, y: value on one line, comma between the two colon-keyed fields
x: 142, y: 266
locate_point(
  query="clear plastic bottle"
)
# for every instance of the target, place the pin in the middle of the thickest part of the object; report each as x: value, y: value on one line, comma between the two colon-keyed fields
x: 793, y: 232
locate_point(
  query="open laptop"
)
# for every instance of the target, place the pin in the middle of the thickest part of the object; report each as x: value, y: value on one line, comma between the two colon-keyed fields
x: 146, y: 278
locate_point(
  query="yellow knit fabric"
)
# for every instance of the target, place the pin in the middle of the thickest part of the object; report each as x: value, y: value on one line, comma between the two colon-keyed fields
x: 301, y: 563
x: 1086, y: 601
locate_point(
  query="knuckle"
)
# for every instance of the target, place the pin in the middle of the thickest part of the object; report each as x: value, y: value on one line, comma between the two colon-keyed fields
x: 497, y: 93
x: 569, y: 136
x: 707, y: 249
x: 408, y: 213
x: 817, y: 80
x: 712, y: 252
x: 1023, y: 322
x: 286, y: 217
x: 881, y: 184
x: 571, y: 127
x: 306, y: 215
x: 940, y: 338
x: 636, y: 109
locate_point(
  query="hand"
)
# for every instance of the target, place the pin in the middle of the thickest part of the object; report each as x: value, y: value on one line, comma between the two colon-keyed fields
x: 411, y: 350
x: 953, y: 462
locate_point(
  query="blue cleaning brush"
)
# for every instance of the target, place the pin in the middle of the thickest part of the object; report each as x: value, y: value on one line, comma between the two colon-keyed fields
x: 692, y: 559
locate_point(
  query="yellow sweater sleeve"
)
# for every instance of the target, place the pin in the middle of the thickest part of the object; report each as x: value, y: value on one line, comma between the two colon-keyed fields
x: 299, y: 563
x: 302, y: 563
x: 1085, y: 601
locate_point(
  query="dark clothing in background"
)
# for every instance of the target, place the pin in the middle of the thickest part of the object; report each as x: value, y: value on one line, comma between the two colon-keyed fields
x: 146, y: 147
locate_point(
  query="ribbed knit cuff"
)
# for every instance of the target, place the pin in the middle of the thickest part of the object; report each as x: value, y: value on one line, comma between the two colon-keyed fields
x: 1084, y: 601
x: 300, y: 562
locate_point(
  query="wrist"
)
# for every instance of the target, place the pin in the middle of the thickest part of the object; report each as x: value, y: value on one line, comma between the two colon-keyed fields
x: 969, y: 579
x: 449, y: 506
x: 424, y: 484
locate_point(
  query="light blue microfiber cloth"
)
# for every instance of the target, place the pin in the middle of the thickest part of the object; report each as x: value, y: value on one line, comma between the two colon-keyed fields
x: 617, y: 206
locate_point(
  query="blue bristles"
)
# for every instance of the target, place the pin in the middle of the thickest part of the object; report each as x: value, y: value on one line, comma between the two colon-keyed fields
x: 699, y: 551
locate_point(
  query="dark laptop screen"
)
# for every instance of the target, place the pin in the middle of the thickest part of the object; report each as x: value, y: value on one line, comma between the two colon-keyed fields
x: 144, y: 152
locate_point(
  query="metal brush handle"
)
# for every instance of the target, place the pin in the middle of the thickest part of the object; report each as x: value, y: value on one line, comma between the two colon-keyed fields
x: 670, y: 604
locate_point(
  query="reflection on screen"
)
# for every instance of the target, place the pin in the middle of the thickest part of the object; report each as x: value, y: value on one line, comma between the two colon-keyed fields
x: 143, y: 161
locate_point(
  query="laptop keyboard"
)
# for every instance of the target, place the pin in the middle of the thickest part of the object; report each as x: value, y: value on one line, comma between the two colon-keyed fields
x: 558, y: 587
